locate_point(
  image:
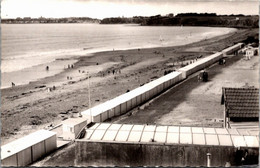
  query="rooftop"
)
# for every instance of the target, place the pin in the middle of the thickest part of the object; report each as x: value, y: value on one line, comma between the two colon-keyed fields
x: 74, y: 121
x: 25, y: 142
x: 106, y: 132
x: 241, y: 102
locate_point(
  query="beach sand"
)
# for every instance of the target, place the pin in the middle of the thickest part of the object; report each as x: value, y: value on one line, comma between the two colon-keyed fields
x: 27, y: 108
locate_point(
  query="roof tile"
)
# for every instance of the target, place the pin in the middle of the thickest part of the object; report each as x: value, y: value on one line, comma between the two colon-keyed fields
x: 242, y: 102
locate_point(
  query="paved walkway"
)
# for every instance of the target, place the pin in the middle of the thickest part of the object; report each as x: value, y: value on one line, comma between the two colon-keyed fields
x: 194, y: 103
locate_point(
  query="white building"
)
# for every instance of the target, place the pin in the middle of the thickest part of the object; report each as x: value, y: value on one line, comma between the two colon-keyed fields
x: 72, y: 127
x: 28, y: 149
x: 249, y: 53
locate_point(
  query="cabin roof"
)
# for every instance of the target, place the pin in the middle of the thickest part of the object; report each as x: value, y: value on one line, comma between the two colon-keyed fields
x: 23, y: 143
x: 174, y: 135
x: 241, y: 102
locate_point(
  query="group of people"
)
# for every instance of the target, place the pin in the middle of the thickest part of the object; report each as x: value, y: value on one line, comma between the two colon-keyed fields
x: 114, y: 71
x: 81, y: 71
x: 70, y: 66
x: 50, y: 89
x: 69, y: 78
x: 186, y: 62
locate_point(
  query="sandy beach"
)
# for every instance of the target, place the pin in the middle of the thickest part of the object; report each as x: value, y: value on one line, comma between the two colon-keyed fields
x: 27, y: 108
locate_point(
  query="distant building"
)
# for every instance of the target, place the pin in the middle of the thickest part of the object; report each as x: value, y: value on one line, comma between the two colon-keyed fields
x: 27, y: 18
x: 249, y: 53
x: 240, y: 104
x: 170, y: 15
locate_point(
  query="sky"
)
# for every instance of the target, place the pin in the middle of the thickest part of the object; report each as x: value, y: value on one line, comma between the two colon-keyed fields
x: 114, y: 8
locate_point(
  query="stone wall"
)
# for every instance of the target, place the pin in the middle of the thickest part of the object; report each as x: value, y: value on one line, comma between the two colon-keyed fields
x: 154, y: 154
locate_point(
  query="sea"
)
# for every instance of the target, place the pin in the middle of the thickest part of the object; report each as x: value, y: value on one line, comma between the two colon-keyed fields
x: 26, y: 49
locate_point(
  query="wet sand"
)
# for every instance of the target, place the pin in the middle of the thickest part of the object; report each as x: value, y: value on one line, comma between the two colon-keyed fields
x: 34, y: 73
x: 27, y: 108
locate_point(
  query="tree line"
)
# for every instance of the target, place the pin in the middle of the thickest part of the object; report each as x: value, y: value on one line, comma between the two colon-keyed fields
x: 189, y: 19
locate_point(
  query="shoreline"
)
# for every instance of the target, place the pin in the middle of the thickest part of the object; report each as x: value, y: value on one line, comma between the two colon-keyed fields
x: 56, y: 67
x: 75, y: 54
x: 27, y: 108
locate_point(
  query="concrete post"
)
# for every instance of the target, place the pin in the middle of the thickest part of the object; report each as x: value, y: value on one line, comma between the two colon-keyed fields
x: 227, y: 164
x: 225, y: 117
x: 208, y: 159
x: 225, y: 114
x: 89, y: 97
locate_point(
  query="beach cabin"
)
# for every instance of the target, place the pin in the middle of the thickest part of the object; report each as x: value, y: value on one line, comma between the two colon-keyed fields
x: 28, y: 149
x: 240, y: 104
x: 233, y: 50
x: 72, y: 127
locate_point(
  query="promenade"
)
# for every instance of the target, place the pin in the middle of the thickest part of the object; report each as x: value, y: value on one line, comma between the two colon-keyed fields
x: 193, y: 103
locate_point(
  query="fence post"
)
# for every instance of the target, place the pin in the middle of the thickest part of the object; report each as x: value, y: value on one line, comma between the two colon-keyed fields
x: 208, y: 159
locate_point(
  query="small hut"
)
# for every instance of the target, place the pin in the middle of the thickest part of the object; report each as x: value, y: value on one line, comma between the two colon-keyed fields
x: 249, y: 53
x: 72, y: 127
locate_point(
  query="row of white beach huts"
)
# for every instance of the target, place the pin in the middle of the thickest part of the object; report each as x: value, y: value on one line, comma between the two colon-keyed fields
x: 27, y: 150
x: 140, y: 95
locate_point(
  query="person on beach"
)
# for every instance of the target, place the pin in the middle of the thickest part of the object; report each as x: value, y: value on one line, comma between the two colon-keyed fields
x: 72, y: 66
x: 205, y: 76
x: 47, y: 68
x: 13, y: 85
x: 222, y: 61
x: 113, y: 71
x: 68, y: 66
x: 199, y: 77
